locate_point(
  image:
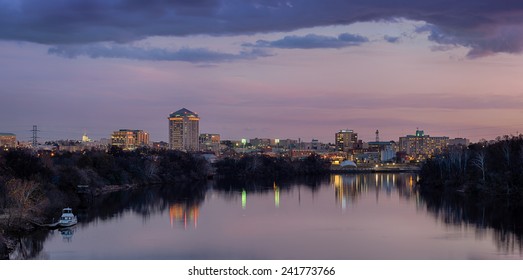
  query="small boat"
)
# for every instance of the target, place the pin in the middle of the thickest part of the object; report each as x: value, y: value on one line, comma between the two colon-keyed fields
x: 68, y: 218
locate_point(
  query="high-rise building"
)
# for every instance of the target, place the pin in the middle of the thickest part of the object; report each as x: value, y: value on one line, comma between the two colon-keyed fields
x: 184, y: 130
x: 346, y: 140
x: 129, y: 139
x: 7, y: 140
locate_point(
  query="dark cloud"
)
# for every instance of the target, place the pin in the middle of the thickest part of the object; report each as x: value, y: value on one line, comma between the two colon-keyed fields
x: 312, y: 41
x: 193, y: 55
x: 484, y: 26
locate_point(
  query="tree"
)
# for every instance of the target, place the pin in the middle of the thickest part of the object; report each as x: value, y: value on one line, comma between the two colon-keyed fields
x: 479, y: 161
x: 24, y: 199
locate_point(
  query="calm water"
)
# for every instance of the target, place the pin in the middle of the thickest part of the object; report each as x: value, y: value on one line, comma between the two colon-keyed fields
x: 370, y: 216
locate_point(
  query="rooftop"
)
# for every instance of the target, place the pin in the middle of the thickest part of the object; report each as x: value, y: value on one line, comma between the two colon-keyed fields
x: 7, y: 134
x: 183, y: 113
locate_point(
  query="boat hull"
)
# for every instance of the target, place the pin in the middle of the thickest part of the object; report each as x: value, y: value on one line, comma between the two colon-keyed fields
x: 67, y: 224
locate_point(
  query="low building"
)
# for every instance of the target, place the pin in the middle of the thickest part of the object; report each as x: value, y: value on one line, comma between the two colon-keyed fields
x: 7, y: 140
x: 128, y: 139
x: 463, y: 142
x: 287, y: 144
x: 260, y: 143
x: 160, y: 145
x: 210, y: 142
x: 387, y: 149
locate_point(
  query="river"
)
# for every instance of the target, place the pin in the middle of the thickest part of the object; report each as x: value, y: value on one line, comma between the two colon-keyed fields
x: 353, y: 216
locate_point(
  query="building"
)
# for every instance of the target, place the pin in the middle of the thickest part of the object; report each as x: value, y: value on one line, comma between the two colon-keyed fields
x: 287, y: 144
x: 85, y: 138
x: 387, y: 149
x: 260, y: 143
x: 7, y: 140
x: 184, y: 130
x: 421, y: 146
x: 346, y: 140
x: 210, y: 142
x: 459, y: 142
x: 160, y: 145
x: 128, y: 139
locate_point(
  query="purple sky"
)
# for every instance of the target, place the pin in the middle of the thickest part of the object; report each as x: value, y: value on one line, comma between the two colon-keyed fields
x: 276, y: 69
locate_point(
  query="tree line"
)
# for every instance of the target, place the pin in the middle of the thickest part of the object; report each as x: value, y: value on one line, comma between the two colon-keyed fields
x: 33, y: 185
x: 491, y: 169
x: 260, y: 166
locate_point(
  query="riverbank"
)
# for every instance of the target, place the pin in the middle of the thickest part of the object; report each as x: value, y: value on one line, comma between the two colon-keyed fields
x: 14, y: 228
x: 488, y: 169
x: 9, y: 239
x: 375, y: 168
x: 34, y: 187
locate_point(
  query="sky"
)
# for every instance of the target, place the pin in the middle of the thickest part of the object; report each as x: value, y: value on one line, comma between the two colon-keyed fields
x: 268, y: 69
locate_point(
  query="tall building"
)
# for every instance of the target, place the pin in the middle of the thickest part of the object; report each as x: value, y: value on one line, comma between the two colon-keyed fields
x: 129, y: 139
x: 422, y: 146
x: 346, y: 140
x: 184, y: 130
x: 7, y: 140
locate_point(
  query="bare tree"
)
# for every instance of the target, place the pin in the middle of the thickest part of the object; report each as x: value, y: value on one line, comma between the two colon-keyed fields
x: 151, y: 169
x: 479, y: 161
x: 24, y: 197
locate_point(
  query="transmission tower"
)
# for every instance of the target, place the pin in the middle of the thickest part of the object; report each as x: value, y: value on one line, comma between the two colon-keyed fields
x: 35, y: 136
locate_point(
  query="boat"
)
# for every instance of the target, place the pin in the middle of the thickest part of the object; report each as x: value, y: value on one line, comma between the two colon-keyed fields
x: 68, y: 218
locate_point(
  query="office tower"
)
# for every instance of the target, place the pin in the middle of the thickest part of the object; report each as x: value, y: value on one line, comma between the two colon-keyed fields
x: 184, y: 130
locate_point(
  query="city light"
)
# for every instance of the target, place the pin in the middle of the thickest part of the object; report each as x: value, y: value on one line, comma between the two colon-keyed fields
x: 244, y: 199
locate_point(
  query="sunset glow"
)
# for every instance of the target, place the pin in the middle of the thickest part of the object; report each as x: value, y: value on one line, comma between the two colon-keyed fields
x: 275, y: 69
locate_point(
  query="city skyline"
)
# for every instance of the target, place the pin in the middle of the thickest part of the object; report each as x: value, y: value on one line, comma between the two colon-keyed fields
x: 275, y: 69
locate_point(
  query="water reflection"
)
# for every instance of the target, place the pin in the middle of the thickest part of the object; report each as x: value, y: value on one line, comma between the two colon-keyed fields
x: 145, y: 202
x: 340, y: 216
x: 184, y: 215
x: 30, y: 247
x: 67, y: 233
x: 503, y: 218
x: 348, y: 188
x: 232, y: 189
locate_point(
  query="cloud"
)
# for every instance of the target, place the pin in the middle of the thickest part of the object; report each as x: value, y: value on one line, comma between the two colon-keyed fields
x: 484, y: 26
x: 391, y: 39
x: 504, y: 39
x: 193, y: 55
x: 312, y: 41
